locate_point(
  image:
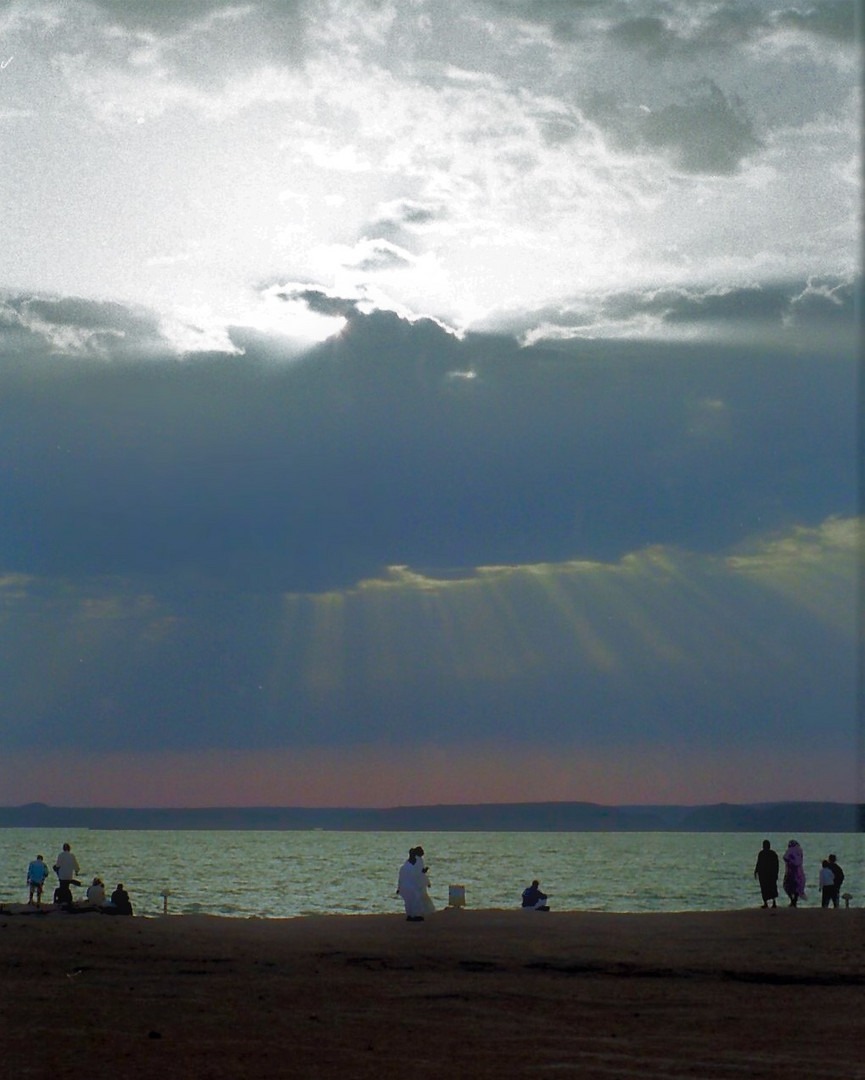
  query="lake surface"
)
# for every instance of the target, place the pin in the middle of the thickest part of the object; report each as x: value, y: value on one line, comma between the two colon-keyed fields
x: 284, y: 874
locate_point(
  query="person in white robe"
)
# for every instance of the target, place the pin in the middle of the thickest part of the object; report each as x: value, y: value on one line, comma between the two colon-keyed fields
x: 413, y: 885
x: 426, y: 900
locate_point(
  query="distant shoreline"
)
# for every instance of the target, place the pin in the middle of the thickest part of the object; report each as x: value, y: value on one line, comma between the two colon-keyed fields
x: 480, y: 817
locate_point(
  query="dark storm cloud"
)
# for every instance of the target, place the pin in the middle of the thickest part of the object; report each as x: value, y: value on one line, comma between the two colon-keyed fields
x: 410, y: 212
x: 657, y: 31
x: 321, y: 302
x: 201, y: 42
x: 812, y: 305
x: 366, y: 452
x: 704, y: 132
x: 399, y: 220
x: 382, y: 255
x: 827, y: 300
x: 144, y: 15
x: 834, y: 19
x: 731, y: 305
x: 79, y: 325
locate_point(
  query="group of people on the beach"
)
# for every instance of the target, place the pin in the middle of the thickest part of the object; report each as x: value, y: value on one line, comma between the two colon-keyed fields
x: 413, y: 887
x: 768, y: 870
x: 67, y: 870
x: 413, y: 884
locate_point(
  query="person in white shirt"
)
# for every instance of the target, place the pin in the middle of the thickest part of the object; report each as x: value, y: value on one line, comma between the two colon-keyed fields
x: 67, y: 867
x: 827, y: 884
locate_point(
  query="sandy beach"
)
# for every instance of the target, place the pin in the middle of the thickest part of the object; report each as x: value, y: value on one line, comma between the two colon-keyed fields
x: 466, y: 993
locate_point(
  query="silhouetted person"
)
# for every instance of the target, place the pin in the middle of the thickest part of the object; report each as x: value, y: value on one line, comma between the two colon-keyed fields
x: 827, y: 884
x: 119, y: 902
x: 535, y: 899
x: 63, y: 894
x: 37, y: 872
x: 766, y: 872
x: 838, y: 874
x: 794, y: 872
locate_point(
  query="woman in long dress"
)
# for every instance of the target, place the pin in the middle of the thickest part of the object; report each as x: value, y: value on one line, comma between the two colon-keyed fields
x: 794, y: 872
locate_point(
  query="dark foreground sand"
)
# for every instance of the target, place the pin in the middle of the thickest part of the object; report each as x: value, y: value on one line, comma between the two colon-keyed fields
x: 466, y: 994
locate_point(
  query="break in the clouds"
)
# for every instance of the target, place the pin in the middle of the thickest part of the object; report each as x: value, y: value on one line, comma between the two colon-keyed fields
x: 472, y: 162
x: 366, y: 452
x: 473, y: 383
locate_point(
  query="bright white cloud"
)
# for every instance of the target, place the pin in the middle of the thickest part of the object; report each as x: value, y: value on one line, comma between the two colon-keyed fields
x: 489, y: 156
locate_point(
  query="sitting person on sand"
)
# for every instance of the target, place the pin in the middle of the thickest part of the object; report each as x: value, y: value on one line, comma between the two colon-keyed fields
x: 96, y: 892
x: 534, y: 899
x: 63, y: 894
x: 120, y: 903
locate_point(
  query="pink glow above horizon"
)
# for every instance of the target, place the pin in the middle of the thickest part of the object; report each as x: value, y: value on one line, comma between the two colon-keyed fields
x: 423, y: 775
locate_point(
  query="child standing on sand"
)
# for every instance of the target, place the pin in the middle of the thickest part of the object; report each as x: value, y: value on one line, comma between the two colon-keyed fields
x: 827, y: 884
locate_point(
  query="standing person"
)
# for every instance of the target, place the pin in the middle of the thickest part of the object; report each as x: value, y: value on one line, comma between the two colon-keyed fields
x: 766, y: 872
x: 37, y: 872
x: 426, y: 900
x: 412, y: 886
x: 67, y: 867
x: 838, y: 874
x: 794, y: 873
x: 827, y: 884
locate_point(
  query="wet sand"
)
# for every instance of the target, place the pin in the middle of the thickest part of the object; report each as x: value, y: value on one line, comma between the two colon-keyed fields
x: 465, y: 994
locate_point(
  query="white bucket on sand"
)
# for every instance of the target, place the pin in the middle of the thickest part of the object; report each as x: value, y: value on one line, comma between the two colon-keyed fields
x: 456, y: 896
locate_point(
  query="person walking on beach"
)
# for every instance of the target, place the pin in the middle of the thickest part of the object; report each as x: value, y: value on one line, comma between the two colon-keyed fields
x: 37, y: 872
x: 766, y: 872
x: 794, y: 873
x: 67, y: 867
x: 838, y: 874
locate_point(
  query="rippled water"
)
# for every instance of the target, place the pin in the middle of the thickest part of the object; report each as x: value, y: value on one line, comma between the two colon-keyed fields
x: 280, y: 874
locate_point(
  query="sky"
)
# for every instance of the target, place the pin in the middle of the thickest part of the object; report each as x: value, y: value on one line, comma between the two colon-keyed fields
x: 429, y: 402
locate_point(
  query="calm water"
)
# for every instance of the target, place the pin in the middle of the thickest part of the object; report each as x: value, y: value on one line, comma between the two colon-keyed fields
x: 280, y: 874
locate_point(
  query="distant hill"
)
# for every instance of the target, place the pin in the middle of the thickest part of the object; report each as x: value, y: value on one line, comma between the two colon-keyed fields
x: 791, y: 817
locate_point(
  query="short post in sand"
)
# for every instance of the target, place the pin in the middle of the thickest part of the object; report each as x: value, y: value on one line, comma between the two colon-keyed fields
x: 456, y: 896
x: 165, y: 894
